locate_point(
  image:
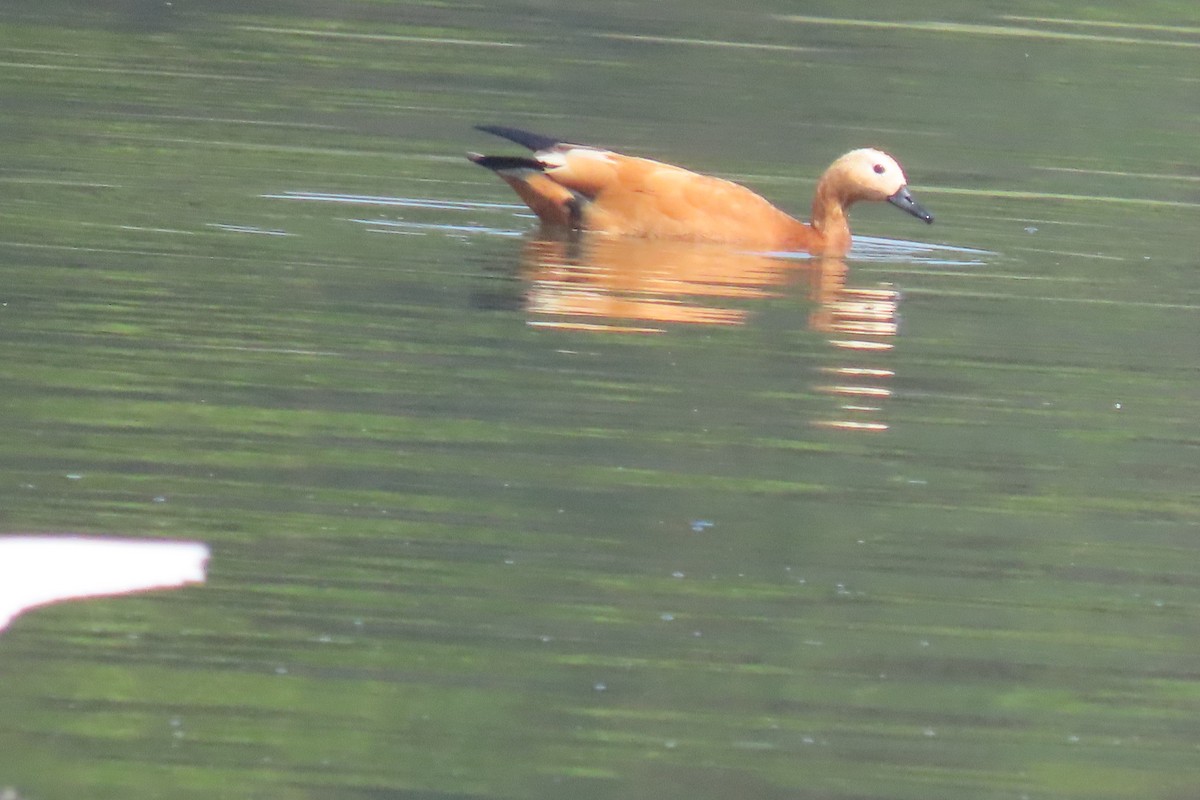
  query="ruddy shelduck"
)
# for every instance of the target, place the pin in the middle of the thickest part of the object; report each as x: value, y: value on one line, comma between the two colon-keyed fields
x: 587, y: 188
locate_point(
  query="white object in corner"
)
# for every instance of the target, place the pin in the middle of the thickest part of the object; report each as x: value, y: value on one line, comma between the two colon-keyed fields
x: 36, y: 570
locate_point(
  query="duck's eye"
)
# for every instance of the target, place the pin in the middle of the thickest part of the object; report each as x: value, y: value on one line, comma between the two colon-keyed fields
x: 880, y: 169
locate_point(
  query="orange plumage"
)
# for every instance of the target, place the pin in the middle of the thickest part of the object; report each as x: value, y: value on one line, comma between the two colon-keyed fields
x: 587, y: 188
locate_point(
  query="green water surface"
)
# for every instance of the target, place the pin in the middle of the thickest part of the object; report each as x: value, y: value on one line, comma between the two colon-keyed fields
x: 466, y: 544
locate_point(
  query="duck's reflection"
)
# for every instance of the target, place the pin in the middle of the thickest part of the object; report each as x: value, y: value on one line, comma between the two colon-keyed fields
x: 626, y: 285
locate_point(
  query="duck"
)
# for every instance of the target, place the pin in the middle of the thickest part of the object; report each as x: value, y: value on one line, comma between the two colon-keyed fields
x: 582, y: 188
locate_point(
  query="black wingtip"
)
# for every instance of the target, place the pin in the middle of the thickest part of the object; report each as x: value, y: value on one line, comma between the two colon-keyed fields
x: 533, y: 141
x: 497, y: 163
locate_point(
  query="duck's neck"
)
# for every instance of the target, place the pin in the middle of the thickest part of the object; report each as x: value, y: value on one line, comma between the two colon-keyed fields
x: 829, y: 219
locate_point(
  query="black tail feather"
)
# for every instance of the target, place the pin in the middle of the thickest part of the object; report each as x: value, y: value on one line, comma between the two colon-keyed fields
x: 504, y: 162
x: 533, y: 141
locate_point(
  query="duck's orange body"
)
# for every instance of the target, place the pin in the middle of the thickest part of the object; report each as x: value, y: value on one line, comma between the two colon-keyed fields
x: 587, y: 188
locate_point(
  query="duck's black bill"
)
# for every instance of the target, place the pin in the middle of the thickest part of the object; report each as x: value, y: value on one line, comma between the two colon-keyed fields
x: 903, y: 199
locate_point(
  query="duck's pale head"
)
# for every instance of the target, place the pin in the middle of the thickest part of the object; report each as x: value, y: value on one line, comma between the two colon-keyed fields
x: 870, y: 174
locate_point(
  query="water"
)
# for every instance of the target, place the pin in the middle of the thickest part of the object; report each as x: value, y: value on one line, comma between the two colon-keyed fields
x: 493, y: 516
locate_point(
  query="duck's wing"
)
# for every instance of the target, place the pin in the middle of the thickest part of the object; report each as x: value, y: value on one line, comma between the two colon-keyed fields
x: 597, y: 189
x: 656, y: 199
